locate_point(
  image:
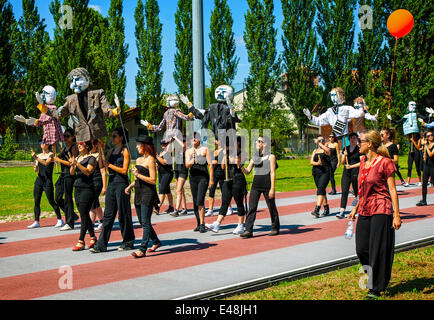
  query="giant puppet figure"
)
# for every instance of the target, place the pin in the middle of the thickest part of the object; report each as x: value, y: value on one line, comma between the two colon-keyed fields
x: 87, y: 108
x: 172, y: 119
x: 337, y: 116
x: 428, y: 121
x: 221, y: 114
x: 51, y: 126
x: 359, y: 123
x: 409, y: 120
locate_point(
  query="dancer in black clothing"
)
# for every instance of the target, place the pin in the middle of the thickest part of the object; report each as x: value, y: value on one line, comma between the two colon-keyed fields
x: 197, y: 159
x: 428, y: 168
x: 320, y: 162
x: 263, y: 183
x: 99, y: 182
x: 84, y: 193
x: 235, y: 186
x: 146, y: 196
x: 44, y: 163
x: 335, y: 159
x: 65, y: 183
x: 181, y: 175
x: 351, y: 161
x: 165, y: 176
x: 115, y: 199
x: 387, y: 139
x: 414, y: 156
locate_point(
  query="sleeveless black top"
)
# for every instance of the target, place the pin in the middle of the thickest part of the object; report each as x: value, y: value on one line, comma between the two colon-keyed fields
x: 325, y: 164
x: 217, y: 167
x: 97, y: 177
x: 145, y: 193
x: 164, y: 169
x: 430, y: 160
x: 45, y: 174
x: 353, y: 158
x: 82, y: 180
x: 262, y: 178
x: 64, y: 156
x: 333, y: 154
x: 200, y: 166
x: 118, y: 161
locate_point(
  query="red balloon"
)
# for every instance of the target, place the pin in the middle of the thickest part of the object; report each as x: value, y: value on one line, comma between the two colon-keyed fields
x: 400, y: 23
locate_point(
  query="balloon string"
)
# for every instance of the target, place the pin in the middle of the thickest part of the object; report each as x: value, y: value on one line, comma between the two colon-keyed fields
x: 391, y: 79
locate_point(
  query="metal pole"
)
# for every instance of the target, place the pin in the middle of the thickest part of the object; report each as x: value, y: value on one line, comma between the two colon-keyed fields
x: 198, y: 61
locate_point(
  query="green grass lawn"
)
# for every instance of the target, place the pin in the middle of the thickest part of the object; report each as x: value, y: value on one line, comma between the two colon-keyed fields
x: 16, y: 184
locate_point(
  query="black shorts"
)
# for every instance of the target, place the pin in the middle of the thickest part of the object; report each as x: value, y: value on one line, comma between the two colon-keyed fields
x: 181, y: 174
x: 164, y: 183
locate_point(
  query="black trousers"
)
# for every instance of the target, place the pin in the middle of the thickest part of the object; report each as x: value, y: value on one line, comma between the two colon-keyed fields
x: 219, y: 178
x: 428, y: 172
x: 333, y: 166
x: 144, y: 214
x: 253, y: 207
x: 413, y: 157
x: 116, y: 201
x: 398, y: 173
x: 198, y: 185
x: 236, y: 190
x: 38, y: 190
x: 84, y: 198
x: 64, y: 199
x: 321, y: 182
x: 348, y: 178
x: 375, y: 241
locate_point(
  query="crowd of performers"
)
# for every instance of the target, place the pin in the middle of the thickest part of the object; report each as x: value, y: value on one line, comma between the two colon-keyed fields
x: 88, y: 170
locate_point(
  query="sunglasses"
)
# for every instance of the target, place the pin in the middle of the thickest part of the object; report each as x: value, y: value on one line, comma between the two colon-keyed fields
x: 115, y: 136
x: 362, y: 141
x: 261, y: 141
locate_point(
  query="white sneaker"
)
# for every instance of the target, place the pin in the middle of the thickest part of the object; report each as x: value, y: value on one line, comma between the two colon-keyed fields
x: 419, y: 184
x: 209, y: 213
x: 429, y: 184
x: 239, y: 229
x: 99, y: 228
x: 406, y: 184
x: 34, y: 225
x: 214, y: 227
x: 229, y: 212
x: 66, y: 227
x: 59, y: 223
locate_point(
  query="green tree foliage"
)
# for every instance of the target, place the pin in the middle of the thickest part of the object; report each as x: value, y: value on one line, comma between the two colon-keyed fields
x: 335, y: 27
x: 31, y: 48
x: 7, y: 151
x: 183, y: 74
x: 149, y: 60
x: 7, y: 23
x: 299, y: 58
x: 222, y: 62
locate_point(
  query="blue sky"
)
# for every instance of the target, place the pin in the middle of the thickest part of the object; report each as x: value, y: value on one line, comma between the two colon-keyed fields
x: 167, y: 14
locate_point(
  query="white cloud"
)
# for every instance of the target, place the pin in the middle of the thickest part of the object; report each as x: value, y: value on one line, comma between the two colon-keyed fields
x: 95, y: 7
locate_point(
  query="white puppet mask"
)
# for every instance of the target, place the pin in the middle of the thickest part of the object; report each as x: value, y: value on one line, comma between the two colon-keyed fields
x: 49, y: 95
x: 223, y: 92
x: 79, y: 84
x: 337, y: 96
x: 359, y: 103
x: 172, y: 101
x: 412, y: 106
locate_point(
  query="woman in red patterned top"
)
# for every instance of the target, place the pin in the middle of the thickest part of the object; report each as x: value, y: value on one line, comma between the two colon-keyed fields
x: 378, y: 210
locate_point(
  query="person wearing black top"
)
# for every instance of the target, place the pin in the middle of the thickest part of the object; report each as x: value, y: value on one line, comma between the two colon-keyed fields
x: 219, y: 177
x: 197, y: 159
x: 115, y: 199
x: 99, y: 182
x: 351, y: 161
x: 44, y: 163
x: 335, y: 159
x: 387, y: 138
x: 263, y: 183
x: 84, y: 166
x: 181, y: 175
x: 146, y: 196
x: 414, y: 156
x: 428, y: 168
x: 65, y: 183
x: 165, y: 176
x: 235, y: 187
x: 320, y: 162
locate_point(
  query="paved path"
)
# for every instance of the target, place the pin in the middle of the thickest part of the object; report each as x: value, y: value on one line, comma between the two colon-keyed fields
x: 35, y: 263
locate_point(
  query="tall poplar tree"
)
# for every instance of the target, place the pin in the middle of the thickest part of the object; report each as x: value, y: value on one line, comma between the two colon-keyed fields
x: 299, y: 58
x: 183, y: 74
x: 264, y: 76
x: 7, y: 22
x: 31, y: 49
x: 335, y: 27
x: 149, y: 59
x: 222, y: 61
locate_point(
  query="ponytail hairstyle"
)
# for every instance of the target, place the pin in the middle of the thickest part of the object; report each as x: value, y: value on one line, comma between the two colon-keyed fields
x: 375, y: 139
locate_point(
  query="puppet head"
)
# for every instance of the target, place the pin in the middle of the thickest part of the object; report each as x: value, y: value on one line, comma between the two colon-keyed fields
x: 337, y: 96
x: 79, y: 80
x: 172, y: 101
x: 411, y: 106
x: 223, y: 92
x: 49, y: 95
x: 359, y: 103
